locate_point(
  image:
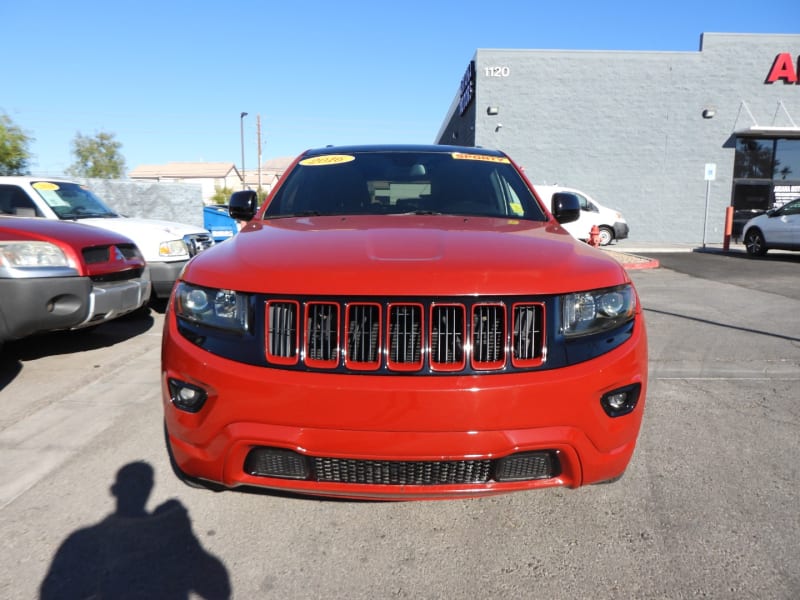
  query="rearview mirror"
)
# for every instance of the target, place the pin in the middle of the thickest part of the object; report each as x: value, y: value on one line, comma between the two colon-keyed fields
x: 243, y: 205
x: 566, y: 207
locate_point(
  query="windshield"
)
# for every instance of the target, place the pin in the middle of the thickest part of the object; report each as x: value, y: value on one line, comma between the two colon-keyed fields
x: 71, y: 201
x: 405, y: 182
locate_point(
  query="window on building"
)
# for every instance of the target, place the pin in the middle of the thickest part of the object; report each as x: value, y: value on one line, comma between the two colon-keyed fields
x: 787, y: 159
x: 753, y: 158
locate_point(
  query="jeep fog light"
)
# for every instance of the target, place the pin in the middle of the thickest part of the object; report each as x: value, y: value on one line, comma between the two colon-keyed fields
x: 185, y: 396
x: 621, y: 401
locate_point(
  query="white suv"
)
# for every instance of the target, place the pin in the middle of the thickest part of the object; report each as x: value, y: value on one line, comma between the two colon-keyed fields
x: 611, y: 224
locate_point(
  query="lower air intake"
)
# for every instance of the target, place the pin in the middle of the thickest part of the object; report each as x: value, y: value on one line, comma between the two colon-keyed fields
x: 285, y: 464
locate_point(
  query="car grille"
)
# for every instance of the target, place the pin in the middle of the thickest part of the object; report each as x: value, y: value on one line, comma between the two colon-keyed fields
x: 402, y: 472
x: 117, y: 262
x: 398, y: 336
x: 285, y: 464
x: 197, y: 242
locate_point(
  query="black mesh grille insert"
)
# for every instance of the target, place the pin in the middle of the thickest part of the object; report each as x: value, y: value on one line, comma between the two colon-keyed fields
x: 286, y: 464
x: 401, y: 472
x: 528, y: 465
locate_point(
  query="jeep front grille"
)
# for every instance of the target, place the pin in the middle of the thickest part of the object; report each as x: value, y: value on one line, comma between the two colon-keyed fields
x: 433, y: 335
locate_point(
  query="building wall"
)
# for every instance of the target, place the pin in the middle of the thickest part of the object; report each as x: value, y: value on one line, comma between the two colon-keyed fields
x: 627, y: 127
x: 177, y: 202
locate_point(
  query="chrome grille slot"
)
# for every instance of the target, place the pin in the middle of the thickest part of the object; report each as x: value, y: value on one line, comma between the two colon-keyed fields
x: 322, y: 327
x: 405, y: 333
x: 282, y: 329
x: 447, y: 335
x: 363, y: 333
x: 528, y: 331
x: 488, y: 334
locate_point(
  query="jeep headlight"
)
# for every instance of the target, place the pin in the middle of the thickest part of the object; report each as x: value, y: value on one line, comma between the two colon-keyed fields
x: 173, y: 249
x: 221, y: 309
x: 584, y: 313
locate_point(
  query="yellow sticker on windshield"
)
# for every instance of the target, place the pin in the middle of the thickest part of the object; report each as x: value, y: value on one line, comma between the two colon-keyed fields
x: 483, y: 157
x: 329, y: 159
x: 45, y: 186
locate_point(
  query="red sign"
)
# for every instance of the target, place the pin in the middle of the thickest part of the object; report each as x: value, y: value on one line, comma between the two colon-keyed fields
x: 784, y: 68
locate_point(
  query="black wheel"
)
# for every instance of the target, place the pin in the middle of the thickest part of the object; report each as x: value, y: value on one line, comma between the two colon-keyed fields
x: 606, y: 236
x: 754, y: 242
x: 192, y: 482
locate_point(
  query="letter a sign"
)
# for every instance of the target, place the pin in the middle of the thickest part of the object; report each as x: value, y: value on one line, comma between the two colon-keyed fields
x: 783, y: 68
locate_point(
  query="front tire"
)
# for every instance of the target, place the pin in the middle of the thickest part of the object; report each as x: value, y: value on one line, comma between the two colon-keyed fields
x: 754, y: 242
x: 606, y: 236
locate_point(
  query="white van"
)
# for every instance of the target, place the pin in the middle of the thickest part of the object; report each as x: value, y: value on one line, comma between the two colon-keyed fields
x: 611, y: 223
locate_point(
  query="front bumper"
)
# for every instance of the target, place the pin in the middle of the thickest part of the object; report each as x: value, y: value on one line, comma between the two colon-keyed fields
x: 31, y: 306
x: 401, y: 418
x: 111, y: 300
x: 163, y: 276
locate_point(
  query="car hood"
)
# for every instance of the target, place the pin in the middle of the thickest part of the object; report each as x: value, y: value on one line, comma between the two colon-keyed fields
x: 75, y: 234
x: 404, y: 255
x: 135, y: 226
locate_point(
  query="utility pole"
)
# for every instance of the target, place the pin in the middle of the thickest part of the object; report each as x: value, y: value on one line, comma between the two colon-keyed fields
x: 241, y: 138
x: 258, y: 128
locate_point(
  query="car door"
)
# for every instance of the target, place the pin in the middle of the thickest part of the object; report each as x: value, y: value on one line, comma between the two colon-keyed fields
x: 783, y: 226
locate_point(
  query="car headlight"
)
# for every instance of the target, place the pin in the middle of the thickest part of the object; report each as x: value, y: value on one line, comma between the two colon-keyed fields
x: 222, y: 309
x: 173, y: 249
x: 595, y: 311
x: 16, y: 255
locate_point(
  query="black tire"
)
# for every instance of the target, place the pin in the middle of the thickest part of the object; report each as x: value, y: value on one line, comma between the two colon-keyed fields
x: 606, y: 235
x: 188, y: 480
x: 754, y: 242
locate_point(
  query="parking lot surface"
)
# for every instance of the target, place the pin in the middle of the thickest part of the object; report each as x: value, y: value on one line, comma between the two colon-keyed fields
x: 707, y: 508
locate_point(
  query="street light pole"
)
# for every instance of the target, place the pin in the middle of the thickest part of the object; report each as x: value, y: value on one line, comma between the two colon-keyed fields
x: 241, y: 138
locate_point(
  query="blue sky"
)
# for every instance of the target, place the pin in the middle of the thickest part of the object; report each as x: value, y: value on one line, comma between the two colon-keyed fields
x: 170, y: 78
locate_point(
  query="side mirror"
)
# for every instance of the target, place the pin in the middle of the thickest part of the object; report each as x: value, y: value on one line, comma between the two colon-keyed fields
x: 243, y: 205
x: 566, y: 207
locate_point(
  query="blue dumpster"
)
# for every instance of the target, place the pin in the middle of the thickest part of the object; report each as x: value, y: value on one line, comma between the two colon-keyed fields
x: 217, y: 220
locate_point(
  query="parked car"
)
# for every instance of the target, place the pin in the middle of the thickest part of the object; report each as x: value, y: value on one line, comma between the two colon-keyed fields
x: 777, y: 229
x: 166, y: 246
x: 62, y: 275
x: 610, y: 223
x: 403, y: 322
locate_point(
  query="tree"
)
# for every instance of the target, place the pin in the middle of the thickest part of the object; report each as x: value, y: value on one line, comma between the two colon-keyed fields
x: 97, y: 157
x: 14, y: 154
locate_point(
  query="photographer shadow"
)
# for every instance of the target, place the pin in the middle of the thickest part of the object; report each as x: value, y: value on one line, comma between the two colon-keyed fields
x: 135, y: 554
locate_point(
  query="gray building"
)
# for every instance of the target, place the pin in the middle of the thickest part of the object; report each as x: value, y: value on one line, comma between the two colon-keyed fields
x: 671, y: 139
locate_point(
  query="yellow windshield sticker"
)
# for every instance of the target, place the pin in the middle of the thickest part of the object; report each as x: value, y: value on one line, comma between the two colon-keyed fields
x: 483, y: 157
x: 516, y: 207
x: 330, y: 159
x: 45, y: 186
